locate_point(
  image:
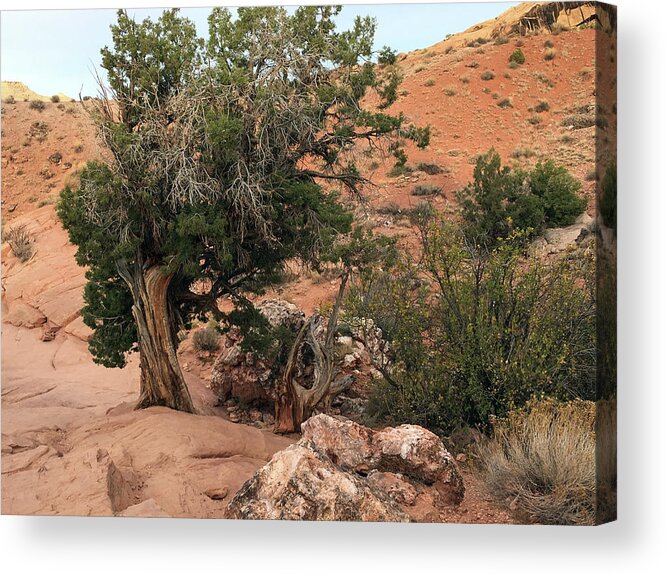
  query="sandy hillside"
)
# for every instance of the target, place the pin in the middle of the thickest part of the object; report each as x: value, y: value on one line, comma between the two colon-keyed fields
x: 71, y: 444
x: 21, y: 93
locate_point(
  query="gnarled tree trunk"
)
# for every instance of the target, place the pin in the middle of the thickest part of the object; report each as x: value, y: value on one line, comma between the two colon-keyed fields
x: 162, y: 381
x: 294, y: 403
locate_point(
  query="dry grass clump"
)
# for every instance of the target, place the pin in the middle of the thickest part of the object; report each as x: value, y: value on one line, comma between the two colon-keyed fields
x: 39, y: 131
x: 426, y: 190
x: 37, y: 105
x: 21, y: 242
x: 464, y: 78
x: 429, y: 168
x: 450, y: 91
x: 10, y: 99
x: 488, y: 75
x: 549, y: 54
x: 505, y: 103
x: 579, y: 121
x: 429, y: 83
x: 541, y: 460
x: 206, y: 339
x: 55, y: 98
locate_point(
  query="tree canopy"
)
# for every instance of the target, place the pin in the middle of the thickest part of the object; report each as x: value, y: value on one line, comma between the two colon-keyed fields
x: 225, y: 159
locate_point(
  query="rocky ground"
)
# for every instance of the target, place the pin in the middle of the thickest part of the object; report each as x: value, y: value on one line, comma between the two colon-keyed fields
x: 71, y: 443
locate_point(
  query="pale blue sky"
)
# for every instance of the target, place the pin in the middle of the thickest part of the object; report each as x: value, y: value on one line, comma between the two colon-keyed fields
x: 55, y: 50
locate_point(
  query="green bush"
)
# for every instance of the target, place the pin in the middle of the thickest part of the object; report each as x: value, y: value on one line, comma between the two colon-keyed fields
x: 473, y: 334
x: 501, y: 200
x: 517, y: 56
x: 558, y: 190
x: 542, y: 106
x: 387, y: 56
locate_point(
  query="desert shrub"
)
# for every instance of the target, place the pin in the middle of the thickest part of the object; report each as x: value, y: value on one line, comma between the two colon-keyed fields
x: 78, y: 148
x: 541, y: 458
x: 505, y: 103
x: 39, y: 131
x: 472, y: 64
x: 21, y: 242
x: 55, y: 98
x: 46, y: 173
x: 419, y: 69
x: 374, y: 165
x: 37, y: 105
x: 429, y: 168
x: 523, y: 153
x: 429, y: 83
x: 579, y: 121
x: 534, y: 119
x: 500, y: 200
x: 608, y: 199
x: 557, y: 28
x: 471, y: 334
x: 513, y: 65
x: 426, y: 190
x: 481, y: 41
x: 558, y: 190
x: 548, y: 44
x: 517, y: 56
x: 500, y: 40
x: 591, y: 176
x: 487, y: 75
x: 542, y: 106
x: 387, y: 56
x: 450, y: 91
x: 10, y: 99
x: 390, y: 209
x: 549, y: 54
x: 519, y: 43
x: 464, y: 78
x: 399, y: 170
x: 206, y: 339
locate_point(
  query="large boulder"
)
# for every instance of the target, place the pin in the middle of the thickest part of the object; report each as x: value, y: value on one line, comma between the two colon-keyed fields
x: 343, y: 471
x: 302, y: 483
x: 409, y: 450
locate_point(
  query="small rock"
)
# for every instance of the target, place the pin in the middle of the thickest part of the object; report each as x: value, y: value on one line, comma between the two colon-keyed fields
x: 345, y: 340
x: 256, y: 415
x: 217, y: 493
x: 461, y: 457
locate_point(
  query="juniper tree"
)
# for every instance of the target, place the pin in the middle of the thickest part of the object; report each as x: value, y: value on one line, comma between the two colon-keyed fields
x: 222, y: 161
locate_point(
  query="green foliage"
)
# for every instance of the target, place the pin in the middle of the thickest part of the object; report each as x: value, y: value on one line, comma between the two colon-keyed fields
x: 220, y: 150
x: 608, y: 199
x: 473, y: 334
x: 517, y: 56
x: 387, y: 56
x: 500, y: 200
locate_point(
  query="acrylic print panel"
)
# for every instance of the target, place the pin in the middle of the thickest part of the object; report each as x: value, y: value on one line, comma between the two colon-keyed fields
x: 311, y: 264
